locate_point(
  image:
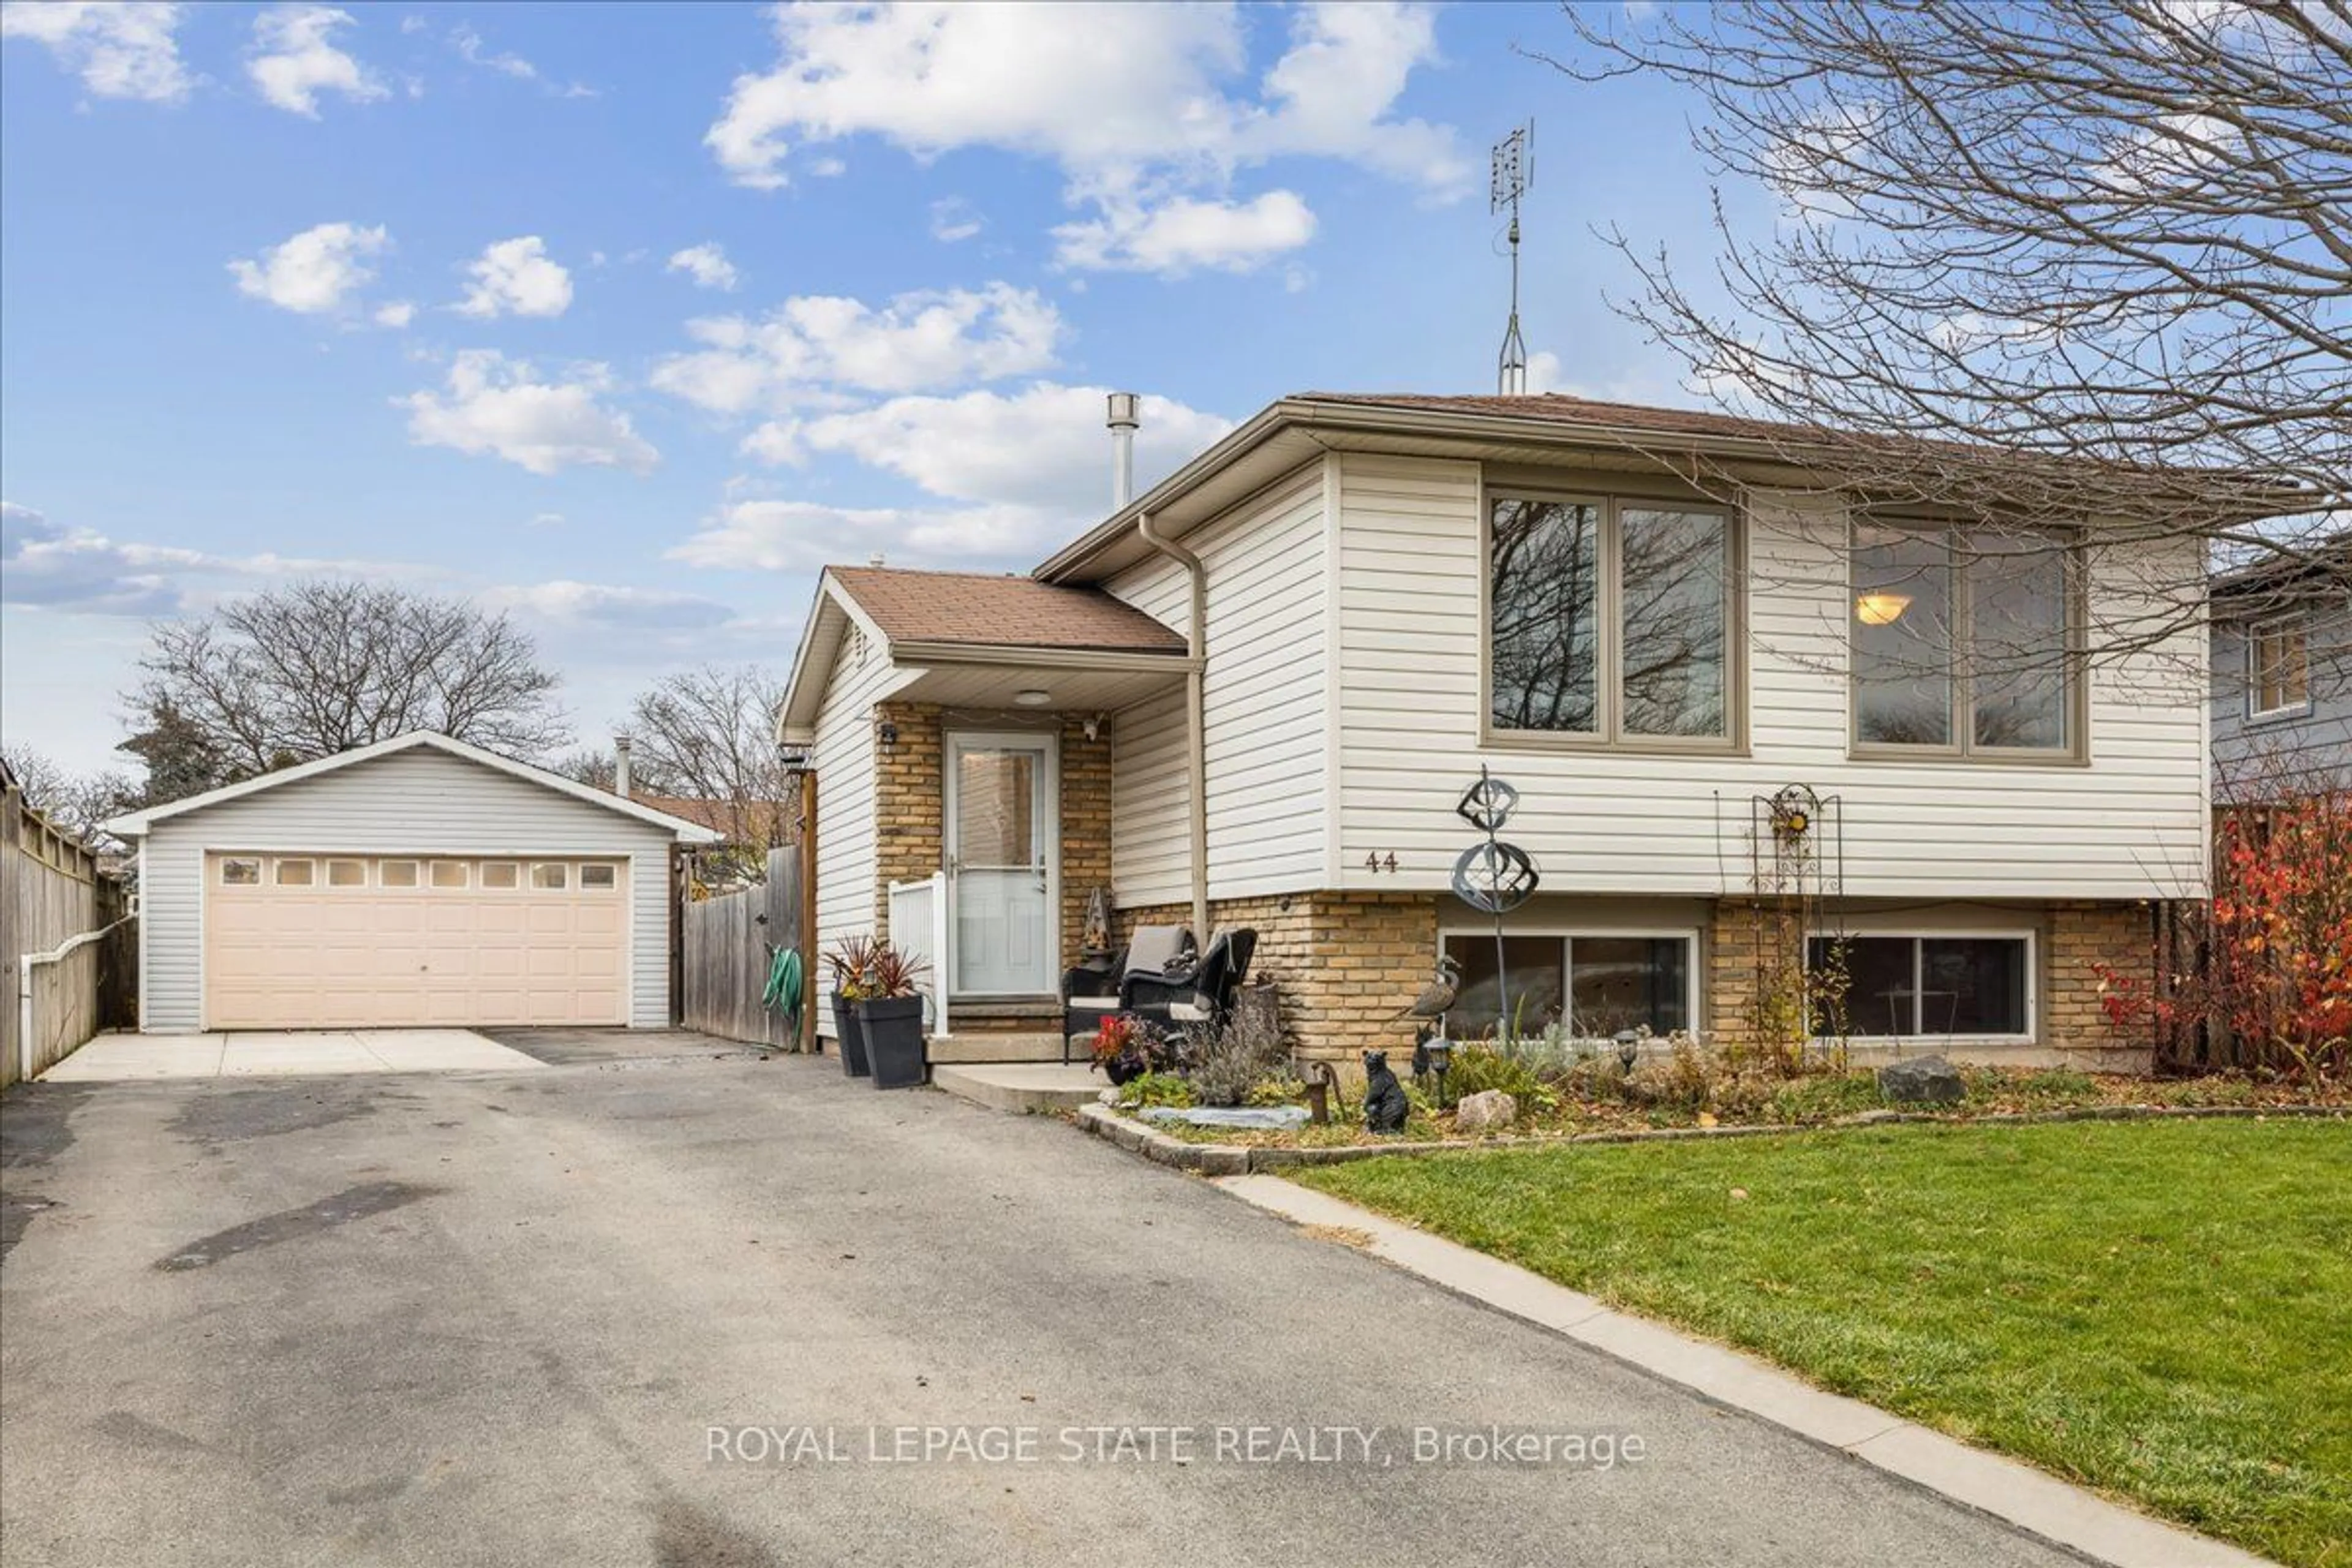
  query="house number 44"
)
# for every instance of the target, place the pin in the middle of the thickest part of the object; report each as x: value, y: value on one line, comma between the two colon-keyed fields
x: 1375, y: 862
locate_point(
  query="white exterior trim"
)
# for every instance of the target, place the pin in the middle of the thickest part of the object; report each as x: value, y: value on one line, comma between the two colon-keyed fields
x: 136, y: 823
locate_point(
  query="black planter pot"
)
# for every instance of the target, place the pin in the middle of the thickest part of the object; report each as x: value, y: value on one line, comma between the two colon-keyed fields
x: 894, y: 1039
x: 1124, y: 1068
x: 852, y: 1033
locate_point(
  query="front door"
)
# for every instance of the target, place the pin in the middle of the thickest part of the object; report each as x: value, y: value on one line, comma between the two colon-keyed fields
x: 1003, y: 833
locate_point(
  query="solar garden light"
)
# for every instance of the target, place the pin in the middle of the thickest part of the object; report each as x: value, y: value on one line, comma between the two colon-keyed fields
x: 1440, y: 1051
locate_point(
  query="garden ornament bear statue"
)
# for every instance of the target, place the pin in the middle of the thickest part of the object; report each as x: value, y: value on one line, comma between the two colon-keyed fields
x: 1385, y: 1105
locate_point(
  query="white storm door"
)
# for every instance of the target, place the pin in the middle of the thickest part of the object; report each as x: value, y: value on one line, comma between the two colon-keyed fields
x: 1002, y: 835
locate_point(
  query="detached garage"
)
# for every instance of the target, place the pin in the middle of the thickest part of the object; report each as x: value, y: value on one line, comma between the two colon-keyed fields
x: 419, y: 881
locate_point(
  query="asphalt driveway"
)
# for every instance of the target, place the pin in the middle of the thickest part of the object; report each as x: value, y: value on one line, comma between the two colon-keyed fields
x: 497, y: 1318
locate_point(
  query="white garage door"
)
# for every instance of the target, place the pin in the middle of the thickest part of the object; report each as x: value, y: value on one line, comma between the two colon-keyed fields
x: 295, y: 942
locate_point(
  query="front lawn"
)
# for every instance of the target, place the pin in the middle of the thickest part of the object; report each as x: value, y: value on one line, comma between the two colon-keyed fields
x: 2160, y: 1310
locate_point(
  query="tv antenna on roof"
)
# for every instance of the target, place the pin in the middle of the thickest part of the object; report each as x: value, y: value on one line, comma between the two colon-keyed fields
x: 1515, y: 172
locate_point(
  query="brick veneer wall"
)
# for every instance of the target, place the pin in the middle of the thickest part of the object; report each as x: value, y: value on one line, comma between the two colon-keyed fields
x: 1085, y: 826
x: 908, y: 797
x: 2081, y: 936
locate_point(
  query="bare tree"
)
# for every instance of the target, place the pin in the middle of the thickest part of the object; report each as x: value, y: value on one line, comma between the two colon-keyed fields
x: 317, y: 668
x: 2035, y: 265
x: 77, y: 803
x: 709, y: 734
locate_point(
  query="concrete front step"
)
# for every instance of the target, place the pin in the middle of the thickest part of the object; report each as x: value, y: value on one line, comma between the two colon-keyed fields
x: 1021, y: 1087
x: 1039, y: 1047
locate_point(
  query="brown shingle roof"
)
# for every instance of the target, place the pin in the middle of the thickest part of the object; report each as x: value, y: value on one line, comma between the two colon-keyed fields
x: 1000, y: 612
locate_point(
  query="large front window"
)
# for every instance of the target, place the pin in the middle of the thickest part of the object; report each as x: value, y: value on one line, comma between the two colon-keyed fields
x: 1963, y: 641
x: 1598, y: 985
x: 1610, y: 620
x: 1897, y: 988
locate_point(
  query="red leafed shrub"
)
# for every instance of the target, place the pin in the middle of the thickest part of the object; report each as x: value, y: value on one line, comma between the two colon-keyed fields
x: 2269, y: 974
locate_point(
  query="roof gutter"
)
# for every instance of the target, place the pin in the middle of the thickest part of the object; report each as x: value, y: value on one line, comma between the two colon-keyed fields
x: 1375, y: 418
x: 1196, y: 640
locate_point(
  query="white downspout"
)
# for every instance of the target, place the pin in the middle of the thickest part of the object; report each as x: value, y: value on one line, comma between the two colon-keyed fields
x: 1195, y: 718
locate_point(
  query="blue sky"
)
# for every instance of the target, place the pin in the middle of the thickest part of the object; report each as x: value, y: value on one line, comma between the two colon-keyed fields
x: 628, y: 318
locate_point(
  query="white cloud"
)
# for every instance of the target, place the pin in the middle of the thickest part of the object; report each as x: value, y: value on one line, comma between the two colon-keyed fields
x: 707, y: 265
x: 396, y: 314
x: 475, y: 52
x: 316, y: 270
x: 1009, y: 476
x: 1184, y: 234
x: 1042, y: 448
x: 547, y: 519
x: 294, y: 59
x: 499, y: 408
x: 119, y: 50
x: 1544, y: 372
x: 818, y: 344
x: 515, y: 276
x: 954, y: 219
x: 78, y: 570
x: 800, y: 536
x: 1136, y: 105
x: 598, y: 605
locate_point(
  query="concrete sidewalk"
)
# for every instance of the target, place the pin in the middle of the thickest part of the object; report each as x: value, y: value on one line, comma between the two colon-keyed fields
x: 284, y: 1053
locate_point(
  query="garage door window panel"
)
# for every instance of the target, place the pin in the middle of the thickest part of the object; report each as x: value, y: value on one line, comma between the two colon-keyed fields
x: 452, y: 874
x: 297, y: 873
x: 551, y: 875
x: 398, y: 874
x: 238, y: 872
x: 347, y: 874
x: 501, y: 875
x: 594, y: 879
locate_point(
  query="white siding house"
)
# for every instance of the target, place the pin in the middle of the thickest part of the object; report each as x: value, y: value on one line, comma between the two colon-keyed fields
x: 1346, y: 658
x: 398, y: 821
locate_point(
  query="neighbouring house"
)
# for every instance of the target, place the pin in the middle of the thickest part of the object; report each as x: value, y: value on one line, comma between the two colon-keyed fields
x: 1321, y: 627
x: 417, y: 881
x: 2282, y: 676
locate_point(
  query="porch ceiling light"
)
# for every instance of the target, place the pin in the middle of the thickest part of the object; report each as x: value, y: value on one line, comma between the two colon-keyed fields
x: 1032, y: 699
x: 1881, y: 610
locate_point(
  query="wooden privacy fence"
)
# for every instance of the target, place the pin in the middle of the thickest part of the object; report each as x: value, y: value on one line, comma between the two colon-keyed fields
x: 51, y: 891
x: 726, y: 956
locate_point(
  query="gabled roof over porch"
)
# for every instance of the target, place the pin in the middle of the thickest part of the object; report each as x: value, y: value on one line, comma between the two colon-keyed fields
x: 970, y: 639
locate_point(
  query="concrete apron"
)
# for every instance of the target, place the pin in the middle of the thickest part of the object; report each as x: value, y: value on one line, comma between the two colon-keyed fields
x: 2014, y: 1492
x: 288, y: 1053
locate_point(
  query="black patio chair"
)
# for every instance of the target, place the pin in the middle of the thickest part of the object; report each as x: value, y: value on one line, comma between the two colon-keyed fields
x: 1202, y: 993
x: 1092, y: 992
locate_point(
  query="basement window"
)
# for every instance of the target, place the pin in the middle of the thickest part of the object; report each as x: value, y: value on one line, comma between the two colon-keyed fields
x: 1974, y: 985
x: 1596, y: 982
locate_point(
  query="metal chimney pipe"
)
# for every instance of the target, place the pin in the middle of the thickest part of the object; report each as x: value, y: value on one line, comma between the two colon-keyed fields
x: 1125, y: 415
x: 621, y: 766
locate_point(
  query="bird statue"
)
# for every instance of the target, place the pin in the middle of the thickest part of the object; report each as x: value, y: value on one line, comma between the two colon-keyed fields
x: 1436, y: 998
